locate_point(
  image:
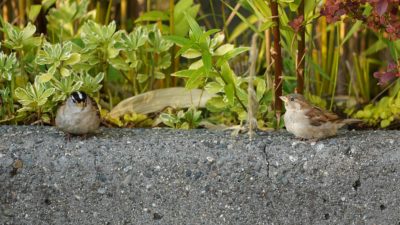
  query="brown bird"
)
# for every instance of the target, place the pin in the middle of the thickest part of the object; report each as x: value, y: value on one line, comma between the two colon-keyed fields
x: 78, y: 115
x: 306, y: 121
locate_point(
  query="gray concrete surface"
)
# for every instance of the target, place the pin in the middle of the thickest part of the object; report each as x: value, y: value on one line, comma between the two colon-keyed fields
x: 161, y: 176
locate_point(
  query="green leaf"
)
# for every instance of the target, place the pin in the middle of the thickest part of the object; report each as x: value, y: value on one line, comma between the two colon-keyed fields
x: 231, y: 54
x: 34, y: 12
x: 260, y: 89
x: 28, y: 31
x: 267, y: 25
x: 142, y: 77
x: 153, y: 16
x: 181, y: 41
x: 230, y: 93
x: 181, y: 25
x: 73, y: 59
x: 216, y: 104
x: 64, y: 72
x: 207, y: 61
x: 195, y: 80
x: 191, y: 54
x: 194, y: 26
x: 223, y: 49
x: 47, y: 4
x: 385, y: 123
x: 214, y: 87
x: 196, y: 65
x: 159, y: 75
x: 227, y: 74
x: 375, y: 47
x: 353, y: 30
x: 310, y: 5
x: 184, y: 73
x: 45, y: 77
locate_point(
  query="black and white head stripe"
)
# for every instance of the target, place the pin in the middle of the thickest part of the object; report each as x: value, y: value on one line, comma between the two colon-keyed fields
x: 78, y: 96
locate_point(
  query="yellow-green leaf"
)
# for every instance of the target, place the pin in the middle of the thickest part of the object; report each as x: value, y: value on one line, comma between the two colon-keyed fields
x: 74, y: 58
x: 65, y: 72
x: 45, y: 77
x: 223, y: 49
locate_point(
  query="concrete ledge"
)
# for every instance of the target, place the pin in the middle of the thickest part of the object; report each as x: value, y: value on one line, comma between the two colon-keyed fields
x: 160, y: 176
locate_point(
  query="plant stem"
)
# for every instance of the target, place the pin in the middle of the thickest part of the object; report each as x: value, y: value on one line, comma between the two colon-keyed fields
x: 301, y: 52
x: 21, y: 13
x: 252, y: 99
x: 108, y: 12
x: 213, y: 13
x: 12, y: 87
x: 175, y: 60
x: 277, y: 55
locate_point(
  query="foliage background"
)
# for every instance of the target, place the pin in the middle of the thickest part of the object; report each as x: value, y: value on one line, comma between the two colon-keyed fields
x: 345, y: 52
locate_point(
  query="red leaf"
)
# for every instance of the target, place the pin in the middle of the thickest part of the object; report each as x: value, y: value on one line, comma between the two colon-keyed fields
x: 384, y: 77
x: 381, y: 7
x: 296, y: 23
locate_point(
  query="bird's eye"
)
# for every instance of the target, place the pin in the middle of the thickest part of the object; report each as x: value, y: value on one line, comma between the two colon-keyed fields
x: 292, y: 99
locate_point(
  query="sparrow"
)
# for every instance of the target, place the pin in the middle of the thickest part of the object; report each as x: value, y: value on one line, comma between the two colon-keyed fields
x: 78, y: 115
x: 307, y: 121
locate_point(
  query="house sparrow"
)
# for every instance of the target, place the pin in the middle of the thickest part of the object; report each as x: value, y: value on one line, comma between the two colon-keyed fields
x: 78, y: 115
x: 310, y: 122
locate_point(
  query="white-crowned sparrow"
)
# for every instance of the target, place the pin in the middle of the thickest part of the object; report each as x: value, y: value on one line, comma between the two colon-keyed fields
x: 310, y: 122
x: 78, y: 115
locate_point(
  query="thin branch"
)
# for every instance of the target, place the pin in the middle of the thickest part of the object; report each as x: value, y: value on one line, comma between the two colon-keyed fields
x: 277, y: 55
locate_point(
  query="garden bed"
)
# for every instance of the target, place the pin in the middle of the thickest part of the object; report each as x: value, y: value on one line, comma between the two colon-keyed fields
x: 162, y: 176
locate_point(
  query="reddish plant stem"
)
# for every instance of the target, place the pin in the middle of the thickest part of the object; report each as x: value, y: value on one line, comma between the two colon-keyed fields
x: 300, y: 52
x: 277, y: 55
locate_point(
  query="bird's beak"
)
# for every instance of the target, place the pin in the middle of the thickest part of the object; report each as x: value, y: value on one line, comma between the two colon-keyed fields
x: 81, y: 104
x: 284, y: 98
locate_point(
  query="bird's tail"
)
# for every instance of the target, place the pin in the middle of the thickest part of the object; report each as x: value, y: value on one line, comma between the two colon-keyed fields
x: 351, y: 121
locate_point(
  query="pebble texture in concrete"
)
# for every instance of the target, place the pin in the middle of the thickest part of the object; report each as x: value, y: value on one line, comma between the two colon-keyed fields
x: 162, y: 176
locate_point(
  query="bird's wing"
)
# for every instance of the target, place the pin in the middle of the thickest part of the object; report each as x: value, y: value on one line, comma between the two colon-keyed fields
x: 95, y: 105
x: 319, y: 116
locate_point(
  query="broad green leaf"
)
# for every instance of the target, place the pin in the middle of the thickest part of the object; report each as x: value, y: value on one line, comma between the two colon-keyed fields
x: 142, y: 77
x: 34, y: 12
x: 385, y: 123
x: 64, y: 72
x: 184, y: 73
x: 231, y: 54
x: 28, y: 31
x: 153, y: 16
x: 195, y: 81
x: 194, y: 26
x: 227, y: 74
x: 196, y: 65
x: 181, y: 25
x: 191, y: 54
x: 260, y: 89
x: 207, y: 60
x: 213, y: 87
x: 74, y: 58
x: 159, y: 75
x: 216, y: 104
x: 310, y: 5
x: 45, y: 77
x: 230, y: 93
x: 223, y: 49
x: 181, y: 41
x: 47, y: 4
